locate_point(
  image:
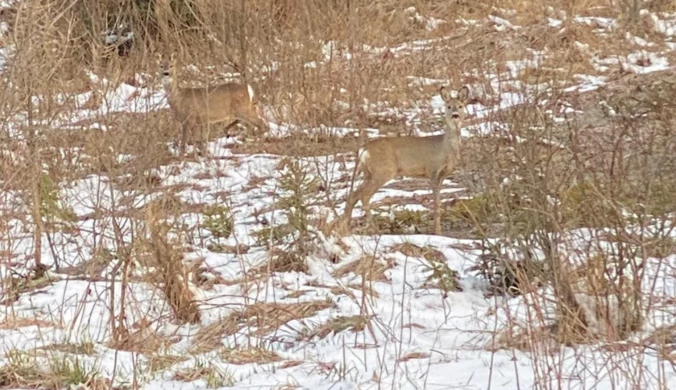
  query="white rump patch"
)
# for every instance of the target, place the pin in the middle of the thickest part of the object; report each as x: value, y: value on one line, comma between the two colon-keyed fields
x: 251, y: 92
x: 363, y: 156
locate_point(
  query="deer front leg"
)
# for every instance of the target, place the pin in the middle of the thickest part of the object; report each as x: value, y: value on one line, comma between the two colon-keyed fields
x: 436, y: 191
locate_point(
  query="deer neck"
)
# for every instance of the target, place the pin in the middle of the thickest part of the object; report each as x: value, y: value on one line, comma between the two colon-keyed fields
x: 452, y: 136
x: 170, y: 85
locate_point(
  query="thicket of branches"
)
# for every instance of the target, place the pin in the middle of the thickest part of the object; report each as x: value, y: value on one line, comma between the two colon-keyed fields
x: 592, y: 199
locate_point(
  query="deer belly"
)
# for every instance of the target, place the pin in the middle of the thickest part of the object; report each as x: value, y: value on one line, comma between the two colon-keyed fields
x: 412, y: 169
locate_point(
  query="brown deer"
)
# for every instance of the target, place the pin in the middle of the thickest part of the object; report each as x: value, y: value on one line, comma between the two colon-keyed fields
x: 199, y: 107
x: 434, y: 157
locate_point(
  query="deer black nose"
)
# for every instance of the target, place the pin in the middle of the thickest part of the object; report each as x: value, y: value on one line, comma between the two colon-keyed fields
x: 455, y: 115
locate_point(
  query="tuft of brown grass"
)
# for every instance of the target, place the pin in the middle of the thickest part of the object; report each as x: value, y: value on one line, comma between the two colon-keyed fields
x: 340, y: 290
x: 295, y: 294
x: 214, y: 376
x: 13, y: 287
x: 592, y: 276
x: 442, y: 276
x: 238, y: 249
x: 26, y: 371
x: 145, y: 340
x: 264, y: 317
x: 400, y: 221
x: 367, y: 267
x: 14, y: 322
x: 428, y: 253
x: 248, y: 355
x: 74, y: 349
x: 209, y: 337
x: 299, y: 146
x: 172, y: 276
x: 339, y: 324
x: 267, y: 317
x: 521, y: 339
x: 413, y: 355
x: 159, y: 363
x: 282, y: 261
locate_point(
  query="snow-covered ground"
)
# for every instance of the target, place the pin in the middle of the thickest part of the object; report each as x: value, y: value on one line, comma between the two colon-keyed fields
x: 398, y: 330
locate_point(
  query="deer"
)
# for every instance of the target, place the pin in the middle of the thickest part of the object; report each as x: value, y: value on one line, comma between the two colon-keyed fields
x: 198, y: 107
x: 431, y: 157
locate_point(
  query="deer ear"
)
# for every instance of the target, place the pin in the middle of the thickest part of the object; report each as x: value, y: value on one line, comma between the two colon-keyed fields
x: 463, y: 93
x: 445, y: 93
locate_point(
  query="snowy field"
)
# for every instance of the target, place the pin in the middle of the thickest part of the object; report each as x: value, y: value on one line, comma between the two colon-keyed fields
x: 368, y: 311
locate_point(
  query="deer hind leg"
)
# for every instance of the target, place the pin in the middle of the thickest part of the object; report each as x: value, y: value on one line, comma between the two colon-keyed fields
x: 370, y: 186
x: 357, y: 195
x: 251, y: 117
x: 259, y: 119
x: 352, y: 200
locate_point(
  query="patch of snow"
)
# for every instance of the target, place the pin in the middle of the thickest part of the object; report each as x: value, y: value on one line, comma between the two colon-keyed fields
x: 600, y: 23
x: 500, y: 24
x: 644, y: 62
x: 554, y: 22
x: 638, y: 40
x: 424, y: 81
x: 587, y: 83
x: 666, y: 27
x: 430, y: 23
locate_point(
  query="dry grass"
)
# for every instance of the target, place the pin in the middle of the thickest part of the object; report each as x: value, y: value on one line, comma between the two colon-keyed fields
x: 161, y: 362
x: 428, y: 253
x: 146, y: 340
x: 299, y: 146
x: 75, y: 349
x: 248, y: 356
x: 521, y: 339
x: 173, y: 277
x: 337, y: 325
x: 265, y: 318
x: 295, y: 294
x: 13, y: 322
x: 22, y: 370
x: 15, y: 286
x: 281, y: 261
x: 413, y: 355
x: 282, y: 53
x: 368, y: 267
x: 214, y: 376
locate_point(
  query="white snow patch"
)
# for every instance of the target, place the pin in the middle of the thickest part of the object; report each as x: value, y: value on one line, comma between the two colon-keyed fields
x: 600, y: 23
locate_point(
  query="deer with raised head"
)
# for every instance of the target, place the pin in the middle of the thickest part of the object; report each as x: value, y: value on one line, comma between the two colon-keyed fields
x: 196, y: 108
x: 433, y: 157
